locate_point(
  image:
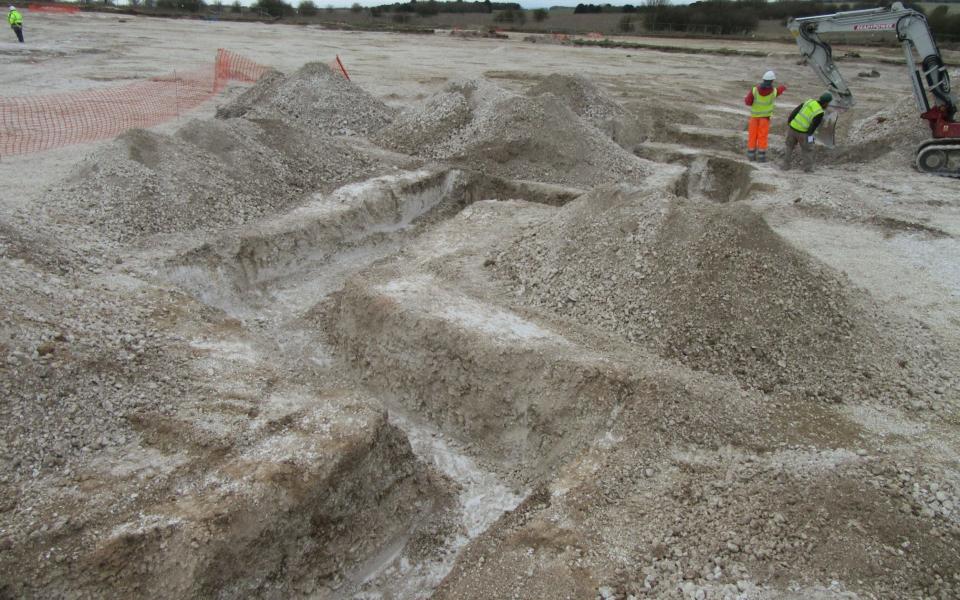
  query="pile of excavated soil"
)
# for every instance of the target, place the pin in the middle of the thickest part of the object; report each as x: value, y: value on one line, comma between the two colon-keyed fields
x: 211, y: 174
x: 658, y: 120
x: 710, y: 286
x: 421, y: 129
x: 709, y: 524
x: 594, y: 105
x: 480, y: 126
x: 898, y: 125
x: 896, y: 130
x: 69, y: 359
x: 314, y: 99
x: 77, y: 357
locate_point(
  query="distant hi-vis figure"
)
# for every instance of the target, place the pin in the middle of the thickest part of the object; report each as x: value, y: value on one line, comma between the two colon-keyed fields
x: 761, y: 99
x: 15, y: 19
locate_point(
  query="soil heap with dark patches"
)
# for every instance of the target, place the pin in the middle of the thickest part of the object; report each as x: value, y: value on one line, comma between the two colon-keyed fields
x: 210, y: 174
x: 478, y: 125
x: 711, y: 286
x: 313, y: 99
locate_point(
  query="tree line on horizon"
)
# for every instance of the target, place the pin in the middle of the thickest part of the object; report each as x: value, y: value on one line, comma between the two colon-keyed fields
x: 734, y: 17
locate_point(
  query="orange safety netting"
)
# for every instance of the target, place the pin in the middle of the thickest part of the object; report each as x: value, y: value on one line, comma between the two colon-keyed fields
x: 36, y: 123
x: 53, y: 8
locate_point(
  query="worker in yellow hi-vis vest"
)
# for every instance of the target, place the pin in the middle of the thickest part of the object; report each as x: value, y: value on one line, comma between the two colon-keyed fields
x: 761, y: 99
x: 15, y: 19
x: 802, y: 124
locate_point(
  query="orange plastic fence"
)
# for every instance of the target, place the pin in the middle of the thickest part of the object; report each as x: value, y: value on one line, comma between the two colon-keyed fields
x: 53, y: 8
x: 37, y: 123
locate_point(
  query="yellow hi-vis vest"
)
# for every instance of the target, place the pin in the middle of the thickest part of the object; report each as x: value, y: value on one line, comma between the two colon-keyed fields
x: 762, y: 105
x: 14, y: 18
x: 805, y: 116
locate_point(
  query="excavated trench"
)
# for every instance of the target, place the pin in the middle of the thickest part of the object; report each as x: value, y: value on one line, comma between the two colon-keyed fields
x: 272, y: 275
x: 707, y: 175
x: 717, y: 179
x: 320, y: 244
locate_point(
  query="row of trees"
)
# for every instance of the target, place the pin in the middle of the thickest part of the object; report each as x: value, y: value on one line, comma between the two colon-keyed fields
x: 457, y: 7
x: 429, y: 8
x: 943, y: 25
x: 764, y: 10
x: 519, y: 17
x: 588, y: 9
x: 716, y: 16
x: 736, y: 17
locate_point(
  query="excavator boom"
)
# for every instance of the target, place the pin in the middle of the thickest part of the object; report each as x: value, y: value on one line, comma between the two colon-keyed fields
x: 928, y: 75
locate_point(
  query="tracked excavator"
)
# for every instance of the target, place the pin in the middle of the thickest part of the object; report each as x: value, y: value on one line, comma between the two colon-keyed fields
x: 931, y: 82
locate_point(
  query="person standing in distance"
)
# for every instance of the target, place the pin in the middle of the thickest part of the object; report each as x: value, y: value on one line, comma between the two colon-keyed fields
x: 15, y: 19
x: 761, y: 99
x: 803, y: 123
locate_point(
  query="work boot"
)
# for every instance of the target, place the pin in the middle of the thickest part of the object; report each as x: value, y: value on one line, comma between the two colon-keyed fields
x: 751, y: 154
x: 761, y: 156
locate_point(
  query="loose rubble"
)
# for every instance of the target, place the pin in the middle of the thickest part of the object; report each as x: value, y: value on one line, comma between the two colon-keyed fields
x: 210, y: 175
x: 315, y: 99
x: 595, y: 106
x: 714, y: 288
x: 479, y: 126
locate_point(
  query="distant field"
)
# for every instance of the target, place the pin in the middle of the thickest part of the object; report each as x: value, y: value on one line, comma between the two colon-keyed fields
x: 557, y: 21
x: 561, y: 20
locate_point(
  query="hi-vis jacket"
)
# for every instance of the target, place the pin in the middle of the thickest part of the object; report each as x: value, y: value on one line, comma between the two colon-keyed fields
x: 805, y: 120
x: 761, y: 100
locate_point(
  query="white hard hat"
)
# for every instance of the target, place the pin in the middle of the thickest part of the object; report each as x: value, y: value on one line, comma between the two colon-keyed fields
x: 769, y: 76
x: 12, y: 7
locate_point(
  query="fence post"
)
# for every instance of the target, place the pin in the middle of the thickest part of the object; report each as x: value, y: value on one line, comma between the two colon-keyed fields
x: 176, y: 92
x: 342, y: 69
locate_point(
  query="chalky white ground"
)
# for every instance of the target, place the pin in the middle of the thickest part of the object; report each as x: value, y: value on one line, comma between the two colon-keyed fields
x: 329, y: 346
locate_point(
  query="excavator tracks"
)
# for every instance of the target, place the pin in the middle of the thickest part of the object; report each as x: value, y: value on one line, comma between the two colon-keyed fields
x: 939, y: 157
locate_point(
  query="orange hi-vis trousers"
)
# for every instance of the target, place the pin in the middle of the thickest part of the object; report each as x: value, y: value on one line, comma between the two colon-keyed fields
x: 757, y: 133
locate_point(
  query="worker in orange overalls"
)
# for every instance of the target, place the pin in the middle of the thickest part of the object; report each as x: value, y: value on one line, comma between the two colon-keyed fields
x: 761, y: 100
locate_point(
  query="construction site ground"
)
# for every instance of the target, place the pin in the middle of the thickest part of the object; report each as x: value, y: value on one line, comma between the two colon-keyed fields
x: 497, y: 318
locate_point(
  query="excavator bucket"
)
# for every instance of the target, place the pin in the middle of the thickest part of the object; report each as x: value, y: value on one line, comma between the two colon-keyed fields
x: 827, y: 132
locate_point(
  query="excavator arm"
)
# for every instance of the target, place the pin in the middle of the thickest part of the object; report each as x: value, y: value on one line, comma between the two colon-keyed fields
x: 928, y: 75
